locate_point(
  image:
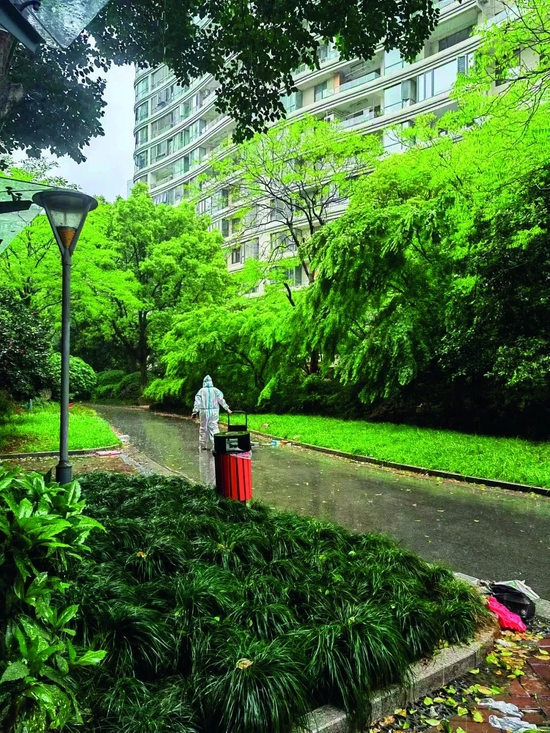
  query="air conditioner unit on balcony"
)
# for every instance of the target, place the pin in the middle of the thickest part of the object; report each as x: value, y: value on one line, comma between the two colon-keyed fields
x: 330, y: 118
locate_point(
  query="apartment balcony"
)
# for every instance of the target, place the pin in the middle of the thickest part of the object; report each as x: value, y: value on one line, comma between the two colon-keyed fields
x: 360, y: 117
x: 371, y: 76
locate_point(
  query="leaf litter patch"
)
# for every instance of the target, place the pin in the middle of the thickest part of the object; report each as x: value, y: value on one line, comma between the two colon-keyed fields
x: 461, y: 697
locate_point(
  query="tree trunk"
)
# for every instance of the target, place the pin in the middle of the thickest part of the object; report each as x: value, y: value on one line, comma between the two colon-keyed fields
x: 10, y: 94
x: 143, y: 350
x: 314, y: 362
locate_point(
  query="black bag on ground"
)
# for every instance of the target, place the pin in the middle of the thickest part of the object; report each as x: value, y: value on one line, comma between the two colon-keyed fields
x: 514, y: 600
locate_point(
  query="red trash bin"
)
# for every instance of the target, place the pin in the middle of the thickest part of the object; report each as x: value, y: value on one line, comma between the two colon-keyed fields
x: 234, y: 475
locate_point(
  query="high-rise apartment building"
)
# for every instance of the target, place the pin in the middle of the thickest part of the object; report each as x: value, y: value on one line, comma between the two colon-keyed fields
x: 176, y: 129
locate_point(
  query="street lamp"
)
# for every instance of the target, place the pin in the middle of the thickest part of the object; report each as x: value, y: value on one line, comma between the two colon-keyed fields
x: 67, y: 212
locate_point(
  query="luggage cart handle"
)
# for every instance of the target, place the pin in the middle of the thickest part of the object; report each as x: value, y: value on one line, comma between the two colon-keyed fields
x: 236, y: 414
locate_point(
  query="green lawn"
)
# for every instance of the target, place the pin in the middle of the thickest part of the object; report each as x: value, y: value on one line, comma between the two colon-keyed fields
x: 507, y: 459
x: 38, y: 430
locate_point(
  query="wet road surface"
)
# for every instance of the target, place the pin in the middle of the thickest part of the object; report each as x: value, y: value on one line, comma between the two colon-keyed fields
x: 488, y: 533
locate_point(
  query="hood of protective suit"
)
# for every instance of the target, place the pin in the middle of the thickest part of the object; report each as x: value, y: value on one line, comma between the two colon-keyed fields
x: 207, y: 381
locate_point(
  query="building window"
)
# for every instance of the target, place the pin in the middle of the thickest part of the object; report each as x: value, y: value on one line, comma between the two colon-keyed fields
x: 236, y: 256
x: 195, y: 157
x: 391, y: 140
x: 455, y: 38
x: 283, y: 242
x: 140, y: 160
x: 161, y: 150
x: 327, y: 52
x: 225, y: 227
x: 194, y: 131
x: 293, y: 101
x: 160, y: 99
x: 295, y: 275
x: 252, y: 249
x: 142, y: 88
x: 357, y: 118
x: 393, y: 61
x: 142, y: 112
x: 205, y: 206
x: 159, y: 76
x: 504, y: 76
x: 167, y: 197
x: 162, y: 125
x: 218, y: 201
x: 465, y: 62
x: 440, y: 80
x: 142, y: 135
x: 357, y: 76
x: 168, y: 172
x: 322, y: 91
x: 399, y: 96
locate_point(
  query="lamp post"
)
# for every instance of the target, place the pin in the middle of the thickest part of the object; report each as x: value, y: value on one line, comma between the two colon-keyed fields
x: 67, y: 212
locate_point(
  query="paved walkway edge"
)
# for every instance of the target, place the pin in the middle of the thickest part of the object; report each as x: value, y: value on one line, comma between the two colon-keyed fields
x: 54, y: 453
x: 414, y: 469
x: 426, y: 676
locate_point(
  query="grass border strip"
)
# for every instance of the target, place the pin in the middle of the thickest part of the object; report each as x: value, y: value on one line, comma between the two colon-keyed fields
x: 54, y: 453
x: 426, y: 676
x: 525, y: 488
x: 495, y: 483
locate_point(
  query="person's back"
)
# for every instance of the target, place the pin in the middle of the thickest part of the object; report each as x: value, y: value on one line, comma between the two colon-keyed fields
x: 208, y: 401
x: 209, y: 397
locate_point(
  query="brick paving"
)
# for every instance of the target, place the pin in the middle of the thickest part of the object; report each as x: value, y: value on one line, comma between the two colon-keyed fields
x: 530, y: 692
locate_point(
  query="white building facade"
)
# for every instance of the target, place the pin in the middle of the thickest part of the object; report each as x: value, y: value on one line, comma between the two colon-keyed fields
x: 177, y: 129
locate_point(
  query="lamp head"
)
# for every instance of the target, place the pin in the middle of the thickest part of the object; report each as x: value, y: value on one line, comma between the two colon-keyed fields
x: 67, y: 212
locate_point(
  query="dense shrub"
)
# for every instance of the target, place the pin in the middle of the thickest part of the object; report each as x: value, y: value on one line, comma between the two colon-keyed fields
x: 82, y: 378
x: 117, y: 385
x: 217, y: 616
x: 110, y: 377
x: 25, y: 349
x: 314, y: 394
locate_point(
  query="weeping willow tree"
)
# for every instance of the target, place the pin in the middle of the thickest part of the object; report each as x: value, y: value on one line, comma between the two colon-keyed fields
x: 414, y: 282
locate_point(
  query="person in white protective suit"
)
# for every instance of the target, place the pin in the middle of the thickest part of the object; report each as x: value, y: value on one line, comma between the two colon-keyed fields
x: 207, y: 405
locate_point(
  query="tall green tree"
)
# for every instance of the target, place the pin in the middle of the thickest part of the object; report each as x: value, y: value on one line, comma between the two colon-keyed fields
x: 243, y: 342
x: 53, y: 99
x: 428, y: 278
x: 136, y: 266
x: 292, y: 177
x: 154, y: 262
x: 513, y: 56
x: 253, y: 49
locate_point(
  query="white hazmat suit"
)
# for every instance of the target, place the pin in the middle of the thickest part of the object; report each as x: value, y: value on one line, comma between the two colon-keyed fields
x: 207, y: 405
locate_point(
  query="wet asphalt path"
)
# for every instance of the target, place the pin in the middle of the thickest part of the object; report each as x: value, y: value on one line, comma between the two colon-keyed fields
x: 488, y: 533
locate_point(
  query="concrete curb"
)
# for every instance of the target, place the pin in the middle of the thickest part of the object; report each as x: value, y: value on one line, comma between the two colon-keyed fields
x: 414, y: 469
x: 426, y: 676
x: 55, y: 453
x: 542, y: 609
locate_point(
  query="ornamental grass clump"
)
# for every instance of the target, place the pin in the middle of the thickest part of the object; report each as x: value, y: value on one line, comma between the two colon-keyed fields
x: 219, y: 617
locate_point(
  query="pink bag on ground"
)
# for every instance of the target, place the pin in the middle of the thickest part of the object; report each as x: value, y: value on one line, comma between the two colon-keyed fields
x: 506, y: 618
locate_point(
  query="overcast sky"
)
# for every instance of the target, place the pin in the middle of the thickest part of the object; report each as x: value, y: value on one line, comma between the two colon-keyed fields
x: 109, y: 159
